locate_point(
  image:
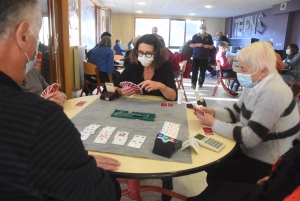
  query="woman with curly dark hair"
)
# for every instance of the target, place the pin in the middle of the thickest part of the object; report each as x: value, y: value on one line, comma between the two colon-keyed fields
x: 150, y: 69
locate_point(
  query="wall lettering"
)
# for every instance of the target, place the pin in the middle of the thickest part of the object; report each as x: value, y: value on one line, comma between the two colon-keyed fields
x: 245, y: 26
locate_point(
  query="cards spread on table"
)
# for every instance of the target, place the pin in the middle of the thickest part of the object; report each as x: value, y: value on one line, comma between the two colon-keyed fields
x: 136, y: 88
x: 170, y: 129
x: 89, y: 130
x: 51, y: 88
x: 137, y: 141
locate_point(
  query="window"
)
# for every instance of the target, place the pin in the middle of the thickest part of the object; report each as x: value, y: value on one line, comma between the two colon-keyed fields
x: 174, y: 32
x: 144, y: 26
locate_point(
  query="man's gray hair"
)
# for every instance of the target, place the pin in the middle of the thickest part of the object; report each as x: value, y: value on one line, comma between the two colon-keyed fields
x: 105, y: 41
x: 13, y: 12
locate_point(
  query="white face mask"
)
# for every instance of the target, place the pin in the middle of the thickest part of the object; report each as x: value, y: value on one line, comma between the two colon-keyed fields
x: 145, y: 61
x: 31, y: 63
x: 202, y: 31
x: 288, y: 51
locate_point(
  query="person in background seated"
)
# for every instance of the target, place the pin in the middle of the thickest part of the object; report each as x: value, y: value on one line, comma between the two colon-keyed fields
x: 127, y: 54
x: 279, y: 63
x: 283, y: 184
x: 226, y: 67
x: 172, y: 59
x: 220, y: 37
x: 264, y: 121
x: 103, y: 57
x: 117, y: 48
x: 36, y: 84
x: 292, y: 64
x: 149, y: 69
x: 105, y: 34
x: 42, y: 155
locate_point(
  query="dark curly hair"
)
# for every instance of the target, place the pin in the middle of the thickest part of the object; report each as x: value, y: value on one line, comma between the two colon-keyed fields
x: 160, y: 52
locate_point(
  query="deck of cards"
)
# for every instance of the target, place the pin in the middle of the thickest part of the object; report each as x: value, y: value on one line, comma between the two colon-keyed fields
x: 51, y: 88
x: 166, y: 104
x: 136, y: 88
x: 170, y: 129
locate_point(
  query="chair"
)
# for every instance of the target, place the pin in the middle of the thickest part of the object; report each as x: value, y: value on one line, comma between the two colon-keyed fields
x: 295, y: 86
x: 90, y: 69
x: 179, y: 79
x: 220, y: 80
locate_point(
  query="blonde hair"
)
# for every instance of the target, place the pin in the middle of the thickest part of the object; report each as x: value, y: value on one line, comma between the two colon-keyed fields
x: 259, y: 55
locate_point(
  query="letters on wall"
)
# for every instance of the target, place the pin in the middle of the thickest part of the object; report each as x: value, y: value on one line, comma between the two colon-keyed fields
x: 245, y: 26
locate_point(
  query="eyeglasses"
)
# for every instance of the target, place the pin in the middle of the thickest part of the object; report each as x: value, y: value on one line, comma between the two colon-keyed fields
x: 147, y: 54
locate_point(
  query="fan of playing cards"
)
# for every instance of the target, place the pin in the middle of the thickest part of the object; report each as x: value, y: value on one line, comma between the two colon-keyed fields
x: 51, y: 88
x: 136, y: 88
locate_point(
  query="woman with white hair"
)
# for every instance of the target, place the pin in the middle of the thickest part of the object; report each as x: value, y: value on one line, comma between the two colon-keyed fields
x: 263, y: 122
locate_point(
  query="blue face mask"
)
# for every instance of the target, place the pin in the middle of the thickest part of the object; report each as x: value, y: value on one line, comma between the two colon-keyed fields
x: 246, y: 80
x: 31, y: 63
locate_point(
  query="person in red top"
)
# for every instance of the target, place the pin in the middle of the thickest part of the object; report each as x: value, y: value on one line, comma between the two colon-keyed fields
x: 226, y: 67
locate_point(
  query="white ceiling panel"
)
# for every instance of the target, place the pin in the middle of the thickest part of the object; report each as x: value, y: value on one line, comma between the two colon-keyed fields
x: 220, y: 8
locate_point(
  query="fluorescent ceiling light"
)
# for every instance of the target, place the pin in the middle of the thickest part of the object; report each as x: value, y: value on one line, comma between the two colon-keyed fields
x: 192, y: 14
x: 139, y: 11
x: 208, y: 6
x: 141, y: 3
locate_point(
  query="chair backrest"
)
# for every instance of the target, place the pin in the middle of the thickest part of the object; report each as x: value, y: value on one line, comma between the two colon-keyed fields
x: 117, y: 57
x: 89, y: 68
x: 183, y: 66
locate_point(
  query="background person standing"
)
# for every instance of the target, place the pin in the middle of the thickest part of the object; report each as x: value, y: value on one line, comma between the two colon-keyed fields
x: 202, y: 43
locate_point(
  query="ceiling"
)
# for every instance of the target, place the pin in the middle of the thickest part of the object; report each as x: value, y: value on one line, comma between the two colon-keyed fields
x: 220, y: 8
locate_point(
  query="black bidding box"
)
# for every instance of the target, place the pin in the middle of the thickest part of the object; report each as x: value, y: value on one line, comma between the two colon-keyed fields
x: 166, y: 148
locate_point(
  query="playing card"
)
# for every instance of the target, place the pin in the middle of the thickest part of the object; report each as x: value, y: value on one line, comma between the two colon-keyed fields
x: 89, y: 130
x: 120, y: 140
x: 137, y: 141
x: 109, y: 129
x: 208, y: 131
x: 164, y: 104
x: 84, y: 136
x: 94, y: 126
x: 170, y: 129
x: 51, y: 88
x: 102, y: 139
x: 80, y: 103
x: 121, y: 134
x: 170, y: 104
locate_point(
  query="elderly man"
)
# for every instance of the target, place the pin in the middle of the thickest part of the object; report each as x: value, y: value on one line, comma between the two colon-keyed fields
x: 42, y: 156
x: 221, y: 37
x: 202, y: 43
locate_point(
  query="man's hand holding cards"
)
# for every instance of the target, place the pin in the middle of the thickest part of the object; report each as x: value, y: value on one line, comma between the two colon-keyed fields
x: 52, y: 93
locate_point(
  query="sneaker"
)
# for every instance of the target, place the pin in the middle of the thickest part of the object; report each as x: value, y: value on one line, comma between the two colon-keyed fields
x: 200, y: 85
x: 193, y: 86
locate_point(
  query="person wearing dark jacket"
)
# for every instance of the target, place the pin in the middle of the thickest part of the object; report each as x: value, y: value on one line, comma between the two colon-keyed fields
x: 42, y: 156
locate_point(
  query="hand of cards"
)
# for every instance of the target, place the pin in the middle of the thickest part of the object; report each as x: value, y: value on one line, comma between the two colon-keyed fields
x: 51, y: 88
x: 197, y: 107
x: 136, y: 88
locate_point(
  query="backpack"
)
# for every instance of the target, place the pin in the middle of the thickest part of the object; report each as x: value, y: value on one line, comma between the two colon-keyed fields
x: 89, y: 53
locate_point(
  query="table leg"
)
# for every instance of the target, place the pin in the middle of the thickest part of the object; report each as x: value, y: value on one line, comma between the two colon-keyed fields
x: 134, y: 189
x: 167, y: 183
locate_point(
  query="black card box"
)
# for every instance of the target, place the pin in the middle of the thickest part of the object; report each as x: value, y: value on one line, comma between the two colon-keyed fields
x: 108, y: 96
x: 166, y: 149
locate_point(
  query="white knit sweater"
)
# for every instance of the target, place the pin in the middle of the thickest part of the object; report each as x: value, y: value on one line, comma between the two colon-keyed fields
x: 264, y: 121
